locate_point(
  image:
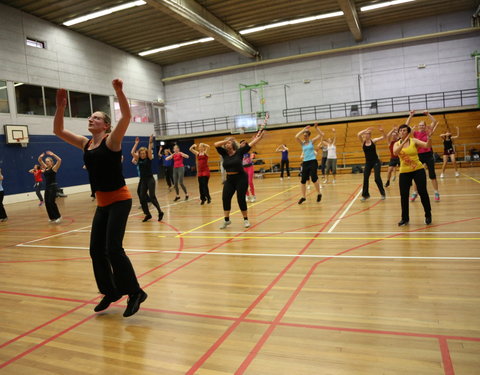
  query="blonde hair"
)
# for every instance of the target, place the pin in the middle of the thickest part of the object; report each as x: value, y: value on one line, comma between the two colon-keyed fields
x: 107, y: 120
x: 142, y: 149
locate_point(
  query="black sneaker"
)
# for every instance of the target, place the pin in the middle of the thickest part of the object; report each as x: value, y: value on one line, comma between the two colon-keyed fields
x: 134, y: 301
x: 176, y: 199
x: 105, y: 302
x: 402, y: 223
x: 387, y: 184
x: 146, y: 218
x: 319, y: 197
x: 160, y: 216
x: 186, y: 197
x: 202, y: 202
x: 428, y: 220
x: 209, y: 201
x: 301, y: 200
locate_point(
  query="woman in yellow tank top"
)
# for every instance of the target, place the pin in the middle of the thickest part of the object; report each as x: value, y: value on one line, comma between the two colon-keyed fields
x: 411, y: 169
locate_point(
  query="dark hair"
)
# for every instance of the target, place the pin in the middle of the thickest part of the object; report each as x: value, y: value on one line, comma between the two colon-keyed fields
x: 308, y: 132
x: 409, y: 129
x: 107, y: 120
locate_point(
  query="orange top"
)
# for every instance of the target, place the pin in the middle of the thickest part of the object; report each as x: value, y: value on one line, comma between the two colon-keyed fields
x: 105, y: 198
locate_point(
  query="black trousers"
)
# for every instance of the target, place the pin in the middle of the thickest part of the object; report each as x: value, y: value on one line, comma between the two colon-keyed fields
x: 309, y: 170
x: 38, y: 190
x: 405, y: 181
x: 203, y: 187
x: 112, y: 268
x: 3, y: 214
x: 168, y: 175
x: 376, y: 166
x: 235, y: 183
x: 50, y: 205
x: 146, y: 192
x: 324, y: 164
x: 283, y: 164
x: 428, y: 159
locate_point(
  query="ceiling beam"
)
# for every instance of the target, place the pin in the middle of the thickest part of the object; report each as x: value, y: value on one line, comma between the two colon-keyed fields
x: 348, y: 7
x: 194, y: 15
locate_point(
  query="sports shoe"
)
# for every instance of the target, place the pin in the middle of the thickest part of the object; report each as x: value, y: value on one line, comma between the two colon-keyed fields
x: 281, y: 178
x: 146, y: 218
x: 428, y: 220
x: 402, y: 223
x: 325, y: 181
x: 186, y: 197
x: 253, y: 198
x: 308, y: 187
x: 209, y: 200
x: 225, y: 224
x: 441, y: 175
x: 457, y: 174
x: 58, y: 221
x: 413, y: 196
x: 301, y: 200
x: 160, y: 216
x: 246, y: 224
x: 319, y: 197
x: 437, y: 196
x: 384, y: 197
x: 394, y: 178
x: 134, y: 301
x: 176, y: 199
x: 4, y: 219
x: 334, y: 182
x: 387, y: 184
x: 363, y: 199
x: 105, y: 302
x: 41, y: 203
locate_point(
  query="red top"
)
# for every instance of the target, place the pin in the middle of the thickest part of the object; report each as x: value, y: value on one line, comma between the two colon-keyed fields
x: 37, y: 175
x: 177, y: 160
x: 202, y: 166
x: 392, y: 156
x: 423, y: 136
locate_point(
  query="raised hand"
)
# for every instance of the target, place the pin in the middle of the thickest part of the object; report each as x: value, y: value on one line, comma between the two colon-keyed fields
x: 117, y: 84
x: 412, y: 112
x: 50, y: 153
x: 426, y: 113
x: 137, y: 140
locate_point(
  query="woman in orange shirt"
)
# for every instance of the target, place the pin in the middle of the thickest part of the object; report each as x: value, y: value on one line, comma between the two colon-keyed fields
x: 113, y: 271
x: 411, y: 169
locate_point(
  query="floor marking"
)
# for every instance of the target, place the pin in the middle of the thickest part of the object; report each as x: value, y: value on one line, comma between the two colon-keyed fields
x: 336, y: 238
x: 82, y: 248
x: 324, y: 256
x: 344, y: 212
x: 237, y: 211
x: 471, y: 178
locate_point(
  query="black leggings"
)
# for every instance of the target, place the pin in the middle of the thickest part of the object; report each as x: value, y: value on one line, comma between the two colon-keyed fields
x: 147, y: 191
x: 405, y: 181
x: 235, y: 183
x: 203, y: 186
x: 309, y: 170
x: 38, y: 190
x: 283, y: 164
x: 376, y: 166
x: 428, y: 159
x: 50, y: 205
x: 168, y: 175
x: 3, y: 214
x: 113, y: 270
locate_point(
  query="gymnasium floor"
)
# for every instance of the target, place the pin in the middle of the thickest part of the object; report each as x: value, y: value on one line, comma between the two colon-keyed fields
x: 329, y: 288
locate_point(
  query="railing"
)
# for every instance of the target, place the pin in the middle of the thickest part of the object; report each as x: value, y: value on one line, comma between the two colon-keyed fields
x: 383, y: 105
x: 457, y: 98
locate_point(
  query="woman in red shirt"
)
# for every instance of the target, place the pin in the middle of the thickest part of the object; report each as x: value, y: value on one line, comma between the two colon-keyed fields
x: 178, y: 171
x: 203, y: 172
x: 37, y: 175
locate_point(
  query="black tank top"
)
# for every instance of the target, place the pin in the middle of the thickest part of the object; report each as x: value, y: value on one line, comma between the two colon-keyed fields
x: 145, y: 167
x: 370, y: 152
x: 104, y: 167
x: 50, y: 177
x: 448, y: 143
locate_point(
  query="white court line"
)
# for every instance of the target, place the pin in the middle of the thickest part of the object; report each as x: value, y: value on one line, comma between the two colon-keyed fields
x: 318, y: 255
x: 344, y: 212
x: 85, y: 248
x: 295, y: 232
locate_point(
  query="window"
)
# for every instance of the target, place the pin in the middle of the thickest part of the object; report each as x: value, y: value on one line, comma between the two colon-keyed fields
x: 141, y: 111
x: 3, y: 97
x: 29, y: 99
x: 80, y: 104
x: 101, y: 103
x: 51, y: 103
x: 35, y: 43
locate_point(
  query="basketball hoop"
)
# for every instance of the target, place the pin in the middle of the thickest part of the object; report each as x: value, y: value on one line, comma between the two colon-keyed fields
x: 22, y: 142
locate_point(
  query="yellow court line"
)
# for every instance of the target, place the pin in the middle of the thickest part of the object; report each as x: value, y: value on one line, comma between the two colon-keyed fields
x: 471, y: 178
x: 234, y: 212
x: 335, y: 238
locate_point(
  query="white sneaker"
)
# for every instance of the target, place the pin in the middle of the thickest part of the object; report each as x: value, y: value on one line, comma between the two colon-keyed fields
x: 441, y: 175
x: 59, y: 220
x: 253, y: 198
x: 246, y: 224
x: 281, y: 178
x: 225, y: 224
x: 308, y: 187
x: 334, y: 182
x: 394, y: 177
x: 457, y: 174
x: 288, y: 177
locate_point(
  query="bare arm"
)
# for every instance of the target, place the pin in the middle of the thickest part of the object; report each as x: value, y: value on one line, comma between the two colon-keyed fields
x: 206, y: 147
x: 185, y: 156
x: 41, y: 162
x: 1, y: 175
x: 193, y: 150
x: 458, y: 133
x: 150, y: 147
x: 361, y: 132
x: 133, y: 152
x: 59, y: 130
x: 169, y: 157
x: 114, y: 141
x: 299, y: 134
x: 334, y: 136
x: 375, y: 140
x: 58, y: 160
x: 319, y: 133
x: 412, y: 113
x: 257, y: 138
x: 423, y: 144
x: 222, y: 143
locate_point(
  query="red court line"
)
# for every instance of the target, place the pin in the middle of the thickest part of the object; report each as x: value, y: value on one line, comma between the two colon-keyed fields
x: 44, y: 297
x: 446, y: 359
x: 257, y: 300
x: 21, y: 355
x: 266, y: 335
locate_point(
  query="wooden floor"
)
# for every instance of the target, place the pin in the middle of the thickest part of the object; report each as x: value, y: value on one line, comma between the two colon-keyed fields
x: 329, y: 288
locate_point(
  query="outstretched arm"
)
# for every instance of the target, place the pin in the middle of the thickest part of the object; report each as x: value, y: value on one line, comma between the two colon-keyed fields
x: 334, y: 136
x: 58, y: 124
x: 193, y: 150
x: 375, y: 140
x: 222, y: 143
x: 114, y: 141
x: 458, y: 133
x: 299, y: 134
x: 257, y: 137
x: 41, y: 162
x: 133, y: 152
x: 412, y: 113
x: 389, y: 134
x: 58, y: 160
x: 361, y: 132
x: 319, y: 133
x: 150, y: 147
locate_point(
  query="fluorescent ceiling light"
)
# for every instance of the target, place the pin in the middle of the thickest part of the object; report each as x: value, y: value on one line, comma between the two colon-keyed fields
x: 104, y: 12
x: 383, y: 5
x: 174, y: 46
x: 291, y: 22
